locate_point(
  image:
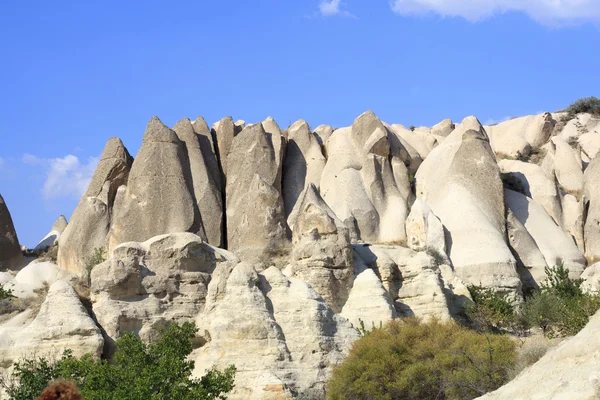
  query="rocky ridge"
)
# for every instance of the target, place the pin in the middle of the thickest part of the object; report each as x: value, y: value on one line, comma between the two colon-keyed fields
x: 279, y: 243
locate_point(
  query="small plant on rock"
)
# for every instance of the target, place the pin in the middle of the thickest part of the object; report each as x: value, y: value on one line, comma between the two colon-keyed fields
x: 490, y: 310
x: 97, y: 257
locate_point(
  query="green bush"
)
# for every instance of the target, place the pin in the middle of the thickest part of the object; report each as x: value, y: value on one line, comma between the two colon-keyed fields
x: 589, y: 105
x: 5, y: 294
x: 97, y: 257
x: 137, y: 372
x: 489, y: 310
x: 560, y: 307
x: 408, y: 359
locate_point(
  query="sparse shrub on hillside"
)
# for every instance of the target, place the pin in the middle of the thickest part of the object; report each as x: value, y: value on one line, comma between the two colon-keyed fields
x: 408, y: 359
x: 5, y: 293
x: 97, y: 257
x: 412, y: 128
x: 438, y: 258
x: 560, y: 307
x: 536, y: 155
x: 589, y: 105
x: 522, y: 157
x: 490, y: 310
x: 138, y: 371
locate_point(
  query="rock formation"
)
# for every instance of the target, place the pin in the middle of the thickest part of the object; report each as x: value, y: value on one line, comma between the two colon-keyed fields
x: 52, y: 237
x: 91, y: 221
x: 280, y: 244
x: 10, y: 250
x: 460, y: 182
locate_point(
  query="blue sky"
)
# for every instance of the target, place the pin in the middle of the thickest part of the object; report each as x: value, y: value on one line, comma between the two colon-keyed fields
x: 74, y: 73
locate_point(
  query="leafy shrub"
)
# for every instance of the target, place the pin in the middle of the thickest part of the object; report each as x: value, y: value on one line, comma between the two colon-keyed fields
x: 589, y: 105
x: 560, y: 307
x: 438, y: 257
x: 408, y: 359
x: 412, y: 128
x: 522, y: 157
x: 138, y: 371
x: 490, y: 311
x: 97, y: 257
x: 5, y: 293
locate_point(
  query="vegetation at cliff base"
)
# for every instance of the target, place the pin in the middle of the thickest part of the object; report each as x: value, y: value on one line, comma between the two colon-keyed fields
x: 138, y: 371
x: 410, y: 359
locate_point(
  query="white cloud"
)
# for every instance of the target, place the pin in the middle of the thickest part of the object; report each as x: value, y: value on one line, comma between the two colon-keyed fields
x: 329, y: 8
x: 545, y: 11
x: 65, y: 177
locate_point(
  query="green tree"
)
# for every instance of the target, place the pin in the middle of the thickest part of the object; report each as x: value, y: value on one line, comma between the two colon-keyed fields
x: 408, y: 359
x: 138, y: 371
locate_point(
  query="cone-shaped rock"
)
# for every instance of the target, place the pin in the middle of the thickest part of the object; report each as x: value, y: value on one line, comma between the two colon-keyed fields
x: 223, y: 133
x: 52, y: 237
x: 11, y: 256
x: 255, y: 216
x: 278, y: 142
x: 303, y: 165
x: 460, y: 181
x: 159, y: 196
x: 205, y: 189
x: 322, y: 254
x: 91, y: 220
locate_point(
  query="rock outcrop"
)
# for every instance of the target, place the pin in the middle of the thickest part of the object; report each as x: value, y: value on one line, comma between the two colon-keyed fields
x: 11, y: 256
x: 159, y: 197
x: 460, y: 182
x: 53, y: 236
x: 321, y: 253
x: 62, y: 323
x: 270, y: 326
x: 91, y: 221
x: 569, y: 371
x: 144, y: 286
x: 255, y: 216
x: 360, y: 185
x: 202, y: 172
x: 592, y: 202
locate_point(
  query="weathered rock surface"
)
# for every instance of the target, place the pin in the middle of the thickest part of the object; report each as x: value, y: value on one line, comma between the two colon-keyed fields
x: 412, y: 279
x: 460, y: 182
x: 91, y: 221
x: 143, y: 286
x: 424, y: 230
x: 52, y: 237
x: 556, y: 247
x: 321, y: 253
x: 273, y: 326
x: 62, y: 323
x: 592, y: 203
x: 11, y: 256
x: 569, y: 371
x: 537, y: 184
x: 568, y: 167
x: 255, y: 215
x: 520, y: 135
x: 159, y: 197
x: 359, y: 184
x: 303, y: 165
x: 203, y: 176
x: 591, y: 279
x: 34, y: 277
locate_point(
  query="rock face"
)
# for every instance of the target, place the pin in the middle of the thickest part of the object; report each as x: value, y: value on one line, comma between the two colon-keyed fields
x: 460, y: 181
x: 272, y: 327
x: 62, y: 323
x: 322, y: 254
x: 360, y: 184
x: 52, y: 237
x: 413, y: 280
x: 556, y: 247
x: 303, y: 165
x: 592, y: 201
x: 159, y: 197
x: 520, y: 135
x: 202, y: 172
x: 143, y: 286
x: 10, y: 250
x: 569, y: 371
x: 91, y: 221
x: 424, y: 230
x: 255, y: 216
